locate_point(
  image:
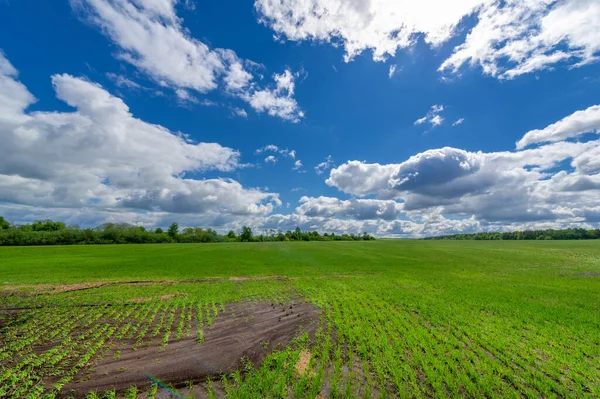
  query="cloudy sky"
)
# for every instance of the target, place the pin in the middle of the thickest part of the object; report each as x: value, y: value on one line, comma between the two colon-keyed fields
x: 395, y: 117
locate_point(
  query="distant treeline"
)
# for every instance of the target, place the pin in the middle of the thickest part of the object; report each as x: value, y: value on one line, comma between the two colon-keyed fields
x: 550, y: 234
x: 48, y: 232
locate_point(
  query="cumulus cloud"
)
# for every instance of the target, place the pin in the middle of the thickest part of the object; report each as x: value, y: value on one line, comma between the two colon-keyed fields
x: 360, y: 178
x: 102, y: 159
x: 270, y: 159
x: 432, y: 117
x: 433, y: 168
x: 519, y: 189
x: 151, y: 37
x: 430, y: 224
x: 578, y: 123
x: 359, y: 209
x: 508, y: 39
x: 278, y: 101
x: 392, y: 71
x: 382, y: 26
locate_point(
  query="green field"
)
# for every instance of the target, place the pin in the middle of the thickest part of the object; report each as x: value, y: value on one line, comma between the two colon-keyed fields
x: 397, y: 318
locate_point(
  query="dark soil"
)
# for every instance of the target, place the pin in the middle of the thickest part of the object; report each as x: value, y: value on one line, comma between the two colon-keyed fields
x: 244, y: 332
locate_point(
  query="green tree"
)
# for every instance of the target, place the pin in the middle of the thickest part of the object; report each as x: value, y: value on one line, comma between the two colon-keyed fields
x: 158, y: 230
x: 4, y: 225
x: 47, y: 225
x: 231, y: 235
x: 173, y: 230
x: 246, y: 234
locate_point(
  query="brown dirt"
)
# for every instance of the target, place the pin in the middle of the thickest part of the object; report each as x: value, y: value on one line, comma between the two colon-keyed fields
x: 303, y: 363
x: 38, y: 289
x: 46, y: 289
x: 244, y: 331
x: 25, y: 290
x: 171, y: 296
x: 256, y: 278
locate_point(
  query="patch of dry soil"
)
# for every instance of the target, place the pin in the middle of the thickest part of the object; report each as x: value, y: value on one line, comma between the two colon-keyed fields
x: 48, y: 289
x: 244, y: 331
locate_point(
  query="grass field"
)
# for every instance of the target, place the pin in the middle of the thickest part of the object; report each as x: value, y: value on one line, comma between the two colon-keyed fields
x: 383, y: 318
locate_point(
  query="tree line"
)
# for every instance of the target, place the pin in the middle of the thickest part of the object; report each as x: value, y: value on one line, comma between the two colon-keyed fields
x: 48, y: 232
x: 548, y: 234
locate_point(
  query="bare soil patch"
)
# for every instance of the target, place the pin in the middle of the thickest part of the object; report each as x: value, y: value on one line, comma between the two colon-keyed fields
x: 303, y: 363
x: 40, y: 289
x: 257, y: 278
x: 245, y: 330
x: 48, y: 289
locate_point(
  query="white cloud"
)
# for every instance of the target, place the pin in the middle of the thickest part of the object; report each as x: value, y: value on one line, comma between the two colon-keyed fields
x: 392, y: 71
x: 578, y: 123
x: 508, y: 39
x: 240, y: 112
x: 275, y: 149
x: 268, y: 147
x: 237, y: 78
x: 151, y: 37
x: 102, y: 159
x: 518, y: 37
x: 432, y: 224
x: 458, y: 122
x: 432, y: 117
x: 360, y: 178
x: 208, y: 103
x: 432, y: 169
x: 382, y: 26
x: 498, y: 188
x: 185, y: 96
x: 323, y: 166
x: 359, y: 209
x: 494, y: 191
x: 122, y: 81
x: 298, y: 165
x: 278, y: 101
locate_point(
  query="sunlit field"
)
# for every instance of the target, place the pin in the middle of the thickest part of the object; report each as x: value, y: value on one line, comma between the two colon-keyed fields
x: 381, y: 318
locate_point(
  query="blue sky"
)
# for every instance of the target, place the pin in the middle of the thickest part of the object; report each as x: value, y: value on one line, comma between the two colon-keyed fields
x: 149, y: 112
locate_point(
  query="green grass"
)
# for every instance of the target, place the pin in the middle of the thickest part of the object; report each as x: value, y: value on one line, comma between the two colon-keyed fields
x: 490, y: 259
x: 399, y: 318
